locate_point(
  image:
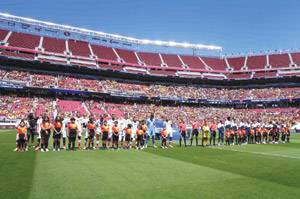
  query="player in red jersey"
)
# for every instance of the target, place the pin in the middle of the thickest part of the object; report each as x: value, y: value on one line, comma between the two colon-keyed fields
x: 195, y: 132
x: 182, y: 130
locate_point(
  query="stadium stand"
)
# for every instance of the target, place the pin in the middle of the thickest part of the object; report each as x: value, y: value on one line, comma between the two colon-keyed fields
x: 172, y: 60
x: 3, y: 34
x: 279, y: 60
x: 103, y: 52
x: 236, y: 62
x: 69, y: 107
x: 150, y: 59
x: 127, y: 55
x: 79, y: 48
x: 256, y: 62
x: 296, y: 58
x: 193, y: 62
x: 54, y: 45
x: 23, y: 40
x: 82, y: 53
x: 215, y: 63
x: 18, y: 107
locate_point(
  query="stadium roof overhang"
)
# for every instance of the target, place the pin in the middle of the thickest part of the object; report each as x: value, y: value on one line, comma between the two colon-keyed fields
x: 44, y: 24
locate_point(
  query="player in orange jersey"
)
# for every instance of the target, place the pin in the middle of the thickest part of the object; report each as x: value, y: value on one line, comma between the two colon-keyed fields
x: 91, y: 130
x: 115, y: 135
x: 45, y: 133
x: 105, y: 131
x: 140, y: 137
x: 128, y: 133
x: 57, y: 133
x: 21, y: 136
x: 164, y: 135
x: 72, y: 133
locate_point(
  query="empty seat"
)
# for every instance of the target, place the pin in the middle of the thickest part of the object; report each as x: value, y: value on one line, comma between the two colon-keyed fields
x: 23, y: 40
x: 3, y: 34
x: 236, y: 62
x: 279, y: 60
x: 54, y: 45
x: 256, y: 62
x: 215, y: 63
x: 127, y: 55
x: 103, y: 52
x: 192, y: 62
x: 172, y: 60
x: 79, y: 48
x: 296, y: 58
x: 150, y: 59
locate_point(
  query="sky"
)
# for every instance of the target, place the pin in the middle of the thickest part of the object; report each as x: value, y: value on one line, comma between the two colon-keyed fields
x: 239, y: 26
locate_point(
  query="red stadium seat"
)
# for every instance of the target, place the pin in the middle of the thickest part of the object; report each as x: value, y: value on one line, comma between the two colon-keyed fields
x: 150, y: 59
x: 54, y: 45
x: 192, y: 62
x: 127, y: 55
x: 79, y: 48
x: 171, y: 60
x: 23, y: 40
x: 18, y: 54
x: 236, y: 63
x: 296, y: 58
x: 3, y: 34
x: 215, y: 63
x: 279, y: 60
x: 256, y: 62
x: 103, y: 52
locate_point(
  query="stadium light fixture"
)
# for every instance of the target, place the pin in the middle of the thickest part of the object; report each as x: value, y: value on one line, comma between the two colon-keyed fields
x: 117, y: 37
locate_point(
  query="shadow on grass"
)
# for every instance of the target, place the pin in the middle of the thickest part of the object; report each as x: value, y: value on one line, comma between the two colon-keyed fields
x: 283, y: 171
x: 16, y: 169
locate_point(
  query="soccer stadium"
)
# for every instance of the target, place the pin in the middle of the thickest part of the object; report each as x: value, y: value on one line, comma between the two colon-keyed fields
x: 87, y: 113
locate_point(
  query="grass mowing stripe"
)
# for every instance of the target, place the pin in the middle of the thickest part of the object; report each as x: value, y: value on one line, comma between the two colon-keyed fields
x: 269, y: 168
x: 16, y: 169
x: 255, y: 152
x: 99, y: 172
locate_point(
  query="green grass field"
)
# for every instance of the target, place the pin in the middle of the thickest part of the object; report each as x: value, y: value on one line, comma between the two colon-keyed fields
x: 250, y: 171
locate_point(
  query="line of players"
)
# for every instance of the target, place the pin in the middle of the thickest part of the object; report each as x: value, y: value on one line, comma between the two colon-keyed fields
x: 128, y: 133
x: 233, y: 133
x: 133, y: 133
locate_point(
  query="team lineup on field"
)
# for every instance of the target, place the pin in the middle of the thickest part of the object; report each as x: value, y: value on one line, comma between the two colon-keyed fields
x: 126, y: 133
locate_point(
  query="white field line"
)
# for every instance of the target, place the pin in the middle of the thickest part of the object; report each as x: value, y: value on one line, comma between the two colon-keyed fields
x: 256, y: 152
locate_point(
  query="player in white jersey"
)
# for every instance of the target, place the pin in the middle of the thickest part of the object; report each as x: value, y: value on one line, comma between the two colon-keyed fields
x: 38, y: 128
x: 85, y: 131
x: 123, y: 126
x: 66, y: 121
x: 168, y: 125
x: 99, y: 123
x: 221, y: 132
x: 135, y: 125
x: 79, y: 121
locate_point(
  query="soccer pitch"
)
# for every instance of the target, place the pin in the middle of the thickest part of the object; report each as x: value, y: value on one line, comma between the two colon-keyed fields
x: 250, y: 171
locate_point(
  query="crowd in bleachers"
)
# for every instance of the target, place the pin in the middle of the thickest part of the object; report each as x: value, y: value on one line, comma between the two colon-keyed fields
x: 152, y: 90
x: 17, y: 107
